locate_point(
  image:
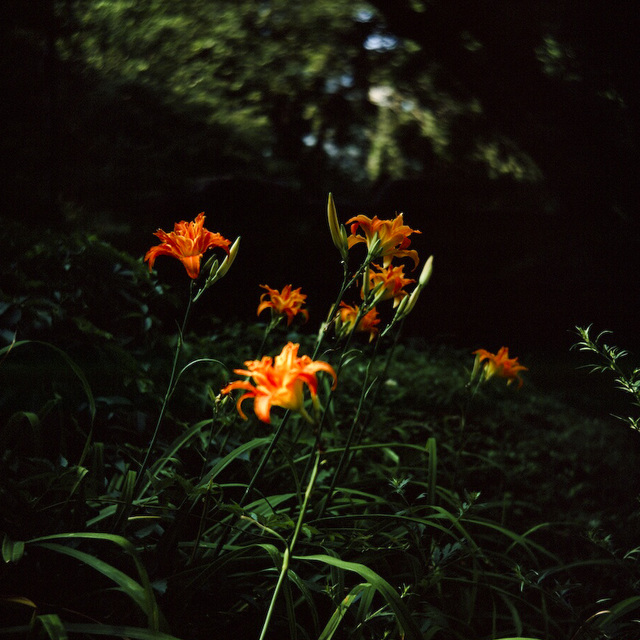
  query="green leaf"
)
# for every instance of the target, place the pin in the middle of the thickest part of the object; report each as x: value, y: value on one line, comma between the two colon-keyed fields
x: 335, y: 620
x: 617, y: 611
x: 53, y: 626
x: 12, y: 551
x: 402, y: 614
x: 117, y: 631
x: 126, y: 583
x: 230, y: 457
x: 141, y: 593
x: 126, y: 497
x: 72, y: 365
x: 432, y: 468
x: 171, y: 452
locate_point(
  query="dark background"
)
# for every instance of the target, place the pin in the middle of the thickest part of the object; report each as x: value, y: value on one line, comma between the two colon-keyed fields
x: 507, y: 133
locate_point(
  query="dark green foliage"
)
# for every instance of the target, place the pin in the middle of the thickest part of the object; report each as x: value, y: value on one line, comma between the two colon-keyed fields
x: 503, y: 513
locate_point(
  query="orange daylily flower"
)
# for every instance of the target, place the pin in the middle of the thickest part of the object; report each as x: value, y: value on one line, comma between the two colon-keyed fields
x: 498, y: 364
x: 391, y: 283
x: 187, y: 242
x: 347, y: 316
x: 286, y: 302
x: 393, y: 236
x: 279, y: 382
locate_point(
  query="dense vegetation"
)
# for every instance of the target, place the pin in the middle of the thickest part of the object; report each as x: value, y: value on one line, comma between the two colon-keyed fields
x: 440, y: 508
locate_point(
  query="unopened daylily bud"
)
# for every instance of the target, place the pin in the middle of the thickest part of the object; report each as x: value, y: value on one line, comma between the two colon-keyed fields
x: 210, y: 266
x: 217, y: 270
x: 228, y: 261
x: 402, y: 306
x: 411, y: 301
x: 427, y: 270
x: 338, y: 232
x: 408, y: 303
x: 375, y: 248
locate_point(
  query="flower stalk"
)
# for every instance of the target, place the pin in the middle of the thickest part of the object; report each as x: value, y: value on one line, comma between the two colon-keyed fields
x: 288, y: 552
x: 167, y: 396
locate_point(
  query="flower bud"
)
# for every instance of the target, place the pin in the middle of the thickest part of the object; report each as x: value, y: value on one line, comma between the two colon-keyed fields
x: 217, y: 270
x: 338, y: 232
x: 408, y: 303
x: 228, y: 261
x: 425, y: 275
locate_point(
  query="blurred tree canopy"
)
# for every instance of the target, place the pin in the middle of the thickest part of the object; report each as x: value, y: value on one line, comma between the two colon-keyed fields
x: 111, y: 100
x: 508, y: 132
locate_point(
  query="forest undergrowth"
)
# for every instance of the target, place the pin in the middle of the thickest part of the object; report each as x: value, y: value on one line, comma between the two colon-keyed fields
x: 168, y: 474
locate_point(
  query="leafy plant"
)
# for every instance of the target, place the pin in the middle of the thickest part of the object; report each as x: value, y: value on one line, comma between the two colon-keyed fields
x: 400, y: 502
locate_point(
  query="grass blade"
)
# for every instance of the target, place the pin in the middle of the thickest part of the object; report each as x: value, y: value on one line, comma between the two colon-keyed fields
x: 53, y: 626
x: 72, y: 365
x: 402, y: 614
x: 336, y: 618
x: 141, y: 593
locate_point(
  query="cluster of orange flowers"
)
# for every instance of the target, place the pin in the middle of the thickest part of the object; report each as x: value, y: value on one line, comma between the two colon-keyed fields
x: 280, y: 381
x: 386, y: 240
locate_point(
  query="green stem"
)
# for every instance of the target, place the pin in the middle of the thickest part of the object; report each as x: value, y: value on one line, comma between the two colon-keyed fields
x: 347, y: 447
x: 347, y: 281
x: 286, y: 556
x: 168, y: 394
x: 273, y: 323
x: 371, y: 404
x: 254, y: 478
x: 265, y: 458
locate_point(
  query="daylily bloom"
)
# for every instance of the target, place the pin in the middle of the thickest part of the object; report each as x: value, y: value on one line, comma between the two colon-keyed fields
x: 286, y: 302
x: 388, y: 282
x: 280, y: 382
x: 498, y: 364
x: 187, y: 242
x: 348, y: 315
x: 392, y: 237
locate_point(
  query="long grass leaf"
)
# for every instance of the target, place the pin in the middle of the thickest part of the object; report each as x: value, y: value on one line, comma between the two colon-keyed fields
x: 618, y: 610
x: 291, y: 610
x: 105, y: 512
x: 308, y: 598
x: 118, y: 631
x: 86, y: 387
x: 364, y: 605
x: 172, y: 450
x: 53, y: 626
x: 432, y: 469
x: 402, y: 614
x: 126, y: 583
x: 525, y: 543
x: 515, y: 616
x: 126, y: 498
x: 155, y: 619
x: 223, y: 463
x: 337, y: 616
